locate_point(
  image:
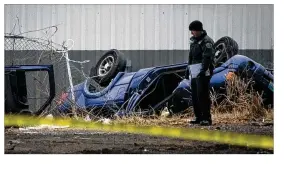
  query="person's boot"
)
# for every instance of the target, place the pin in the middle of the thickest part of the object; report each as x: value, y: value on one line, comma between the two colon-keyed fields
x: 206, y: 119
x: 206, y: 122
x: 195, y: 121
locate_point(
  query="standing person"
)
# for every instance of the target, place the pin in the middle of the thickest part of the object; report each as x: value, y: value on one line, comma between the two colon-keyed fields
x: 201, y: 51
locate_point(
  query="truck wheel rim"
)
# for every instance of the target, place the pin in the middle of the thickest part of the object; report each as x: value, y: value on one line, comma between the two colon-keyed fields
x: 106, y: 65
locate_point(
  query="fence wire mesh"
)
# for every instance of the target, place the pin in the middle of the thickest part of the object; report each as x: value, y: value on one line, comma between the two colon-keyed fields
x: 24, y: 50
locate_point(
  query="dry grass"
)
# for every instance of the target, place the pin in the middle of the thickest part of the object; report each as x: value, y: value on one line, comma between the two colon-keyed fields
x: 243, y: 117
x: 240, y: 105
x: 182, y: 120
x: 174, y: 121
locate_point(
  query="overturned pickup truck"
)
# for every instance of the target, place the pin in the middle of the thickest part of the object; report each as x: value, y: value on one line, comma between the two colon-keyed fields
x: 151, y: 89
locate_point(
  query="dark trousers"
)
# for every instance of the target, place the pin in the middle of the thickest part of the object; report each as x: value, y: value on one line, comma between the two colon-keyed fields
x: 201, y: 97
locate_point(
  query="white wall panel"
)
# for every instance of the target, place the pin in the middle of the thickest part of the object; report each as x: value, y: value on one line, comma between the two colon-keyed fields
x: 267, y: 23
x: 144, y: 27
x: 105, y: 26
x: 134, y: 27
x: 179, y: 28
x: 149, y: 26
x: 237, y: 24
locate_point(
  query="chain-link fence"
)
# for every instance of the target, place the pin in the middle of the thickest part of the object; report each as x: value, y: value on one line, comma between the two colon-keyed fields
x: 21, y: 50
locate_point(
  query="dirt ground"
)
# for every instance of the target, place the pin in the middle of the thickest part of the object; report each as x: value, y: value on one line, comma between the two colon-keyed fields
x: 68, y: 141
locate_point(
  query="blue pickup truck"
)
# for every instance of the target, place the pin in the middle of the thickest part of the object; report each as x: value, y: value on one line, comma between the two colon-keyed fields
x: 151, y: 89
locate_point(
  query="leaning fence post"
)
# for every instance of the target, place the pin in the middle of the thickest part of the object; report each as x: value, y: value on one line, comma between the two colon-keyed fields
x: 71, y: 83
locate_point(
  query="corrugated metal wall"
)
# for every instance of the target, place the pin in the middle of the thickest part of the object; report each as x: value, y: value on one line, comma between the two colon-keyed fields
x: 145, y: 27
x: 148, y: 35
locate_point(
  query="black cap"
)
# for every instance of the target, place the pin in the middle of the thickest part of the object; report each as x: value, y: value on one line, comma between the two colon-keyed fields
x: 195, y: 26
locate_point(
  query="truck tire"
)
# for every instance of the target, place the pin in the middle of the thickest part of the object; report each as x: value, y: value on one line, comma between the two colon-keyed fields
x: 107, y: 67
x: 225, y: 48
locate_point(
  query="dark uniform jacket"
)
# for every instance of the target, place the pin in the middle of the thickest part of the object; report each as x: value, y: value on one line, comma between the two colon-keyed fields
x: 202, y: 51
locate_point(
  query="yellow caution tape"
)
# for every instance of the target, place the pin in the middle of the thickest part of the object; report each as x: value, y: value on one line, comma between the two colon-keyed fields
x: 249, y: 140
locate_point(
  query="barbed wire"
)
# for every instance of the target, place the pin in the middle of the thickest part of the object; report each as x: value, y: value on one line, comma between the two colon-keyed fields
x: 21, y: 49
